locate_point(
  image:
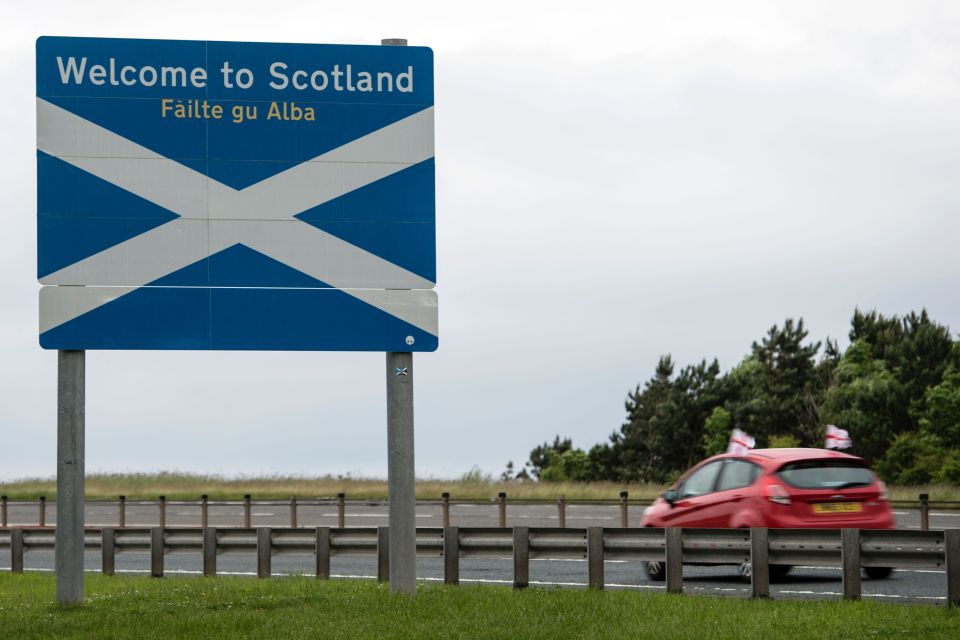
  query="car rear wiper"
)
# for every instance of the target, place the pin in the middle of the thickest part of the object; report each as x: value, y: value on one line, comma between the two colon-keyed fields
x: 848, y: 485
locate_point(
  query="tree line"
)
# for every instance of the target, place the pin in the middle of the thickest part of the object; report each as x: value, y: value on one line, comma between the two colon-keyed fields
x: 895, y: 389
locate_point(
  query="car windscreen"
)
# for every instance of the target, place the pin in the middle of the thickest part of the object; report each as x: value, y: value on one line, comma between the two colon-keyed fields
x: 826, y: 474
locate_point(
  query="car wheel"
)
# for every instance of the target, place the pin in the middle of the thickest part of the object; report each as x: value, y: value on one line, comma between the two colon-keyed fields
x: 656, y: 571
x: 878, y: 573
x: 779, y: 570
x: 776, y: 571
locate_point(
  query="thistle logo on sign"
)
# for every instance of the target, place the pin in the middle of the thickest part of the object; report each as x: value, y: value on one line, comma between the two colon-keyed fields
x: 223, y: 195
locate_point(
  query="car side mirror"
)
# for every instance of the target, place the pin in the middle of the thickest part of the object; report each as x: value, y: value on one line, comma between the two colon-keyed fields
x: 670, y: 496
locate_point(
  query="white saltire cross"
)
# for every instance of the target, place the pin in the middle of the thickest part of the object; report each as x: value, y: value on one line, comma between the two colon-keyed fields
x: 214, y: 217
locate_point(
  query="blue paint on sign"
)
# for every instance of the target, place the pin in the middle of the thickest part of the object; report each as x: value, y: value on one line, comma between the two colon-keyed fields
x: 224, y: 195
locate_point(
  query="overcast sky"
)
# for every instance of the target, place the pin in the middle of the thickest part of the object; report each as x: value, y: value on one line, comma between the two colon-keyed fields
x: 615, y: 181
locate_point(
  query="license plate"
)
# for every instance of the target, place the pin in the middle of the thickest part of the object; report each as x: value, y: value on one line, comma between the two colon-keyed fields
x: 837, y: 507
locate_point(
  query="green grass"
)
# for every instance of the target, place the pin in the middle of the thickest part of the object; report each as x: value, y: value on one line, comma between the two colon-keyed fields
x: 126, y: 607
x: 472, y: 486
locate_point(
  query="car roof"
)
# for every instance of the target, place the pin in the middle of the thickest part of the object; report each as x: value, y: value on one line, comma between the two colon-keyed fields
x: 798, y: 453
x: 773, y: 459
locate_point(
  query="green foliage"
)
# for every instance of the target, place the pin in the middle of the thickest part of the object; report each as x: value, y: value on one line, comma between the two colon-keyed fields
x: 912, y: 459
x: 895, y: 389
x: 866, y: 400
x: 541, y: 455
x: 571, y: 465
x: 785, y: 441
x: 782, y: 384
x: 940, y: 412
x: 950, y: 469
x: 716, y: 431
x: 664, y: 431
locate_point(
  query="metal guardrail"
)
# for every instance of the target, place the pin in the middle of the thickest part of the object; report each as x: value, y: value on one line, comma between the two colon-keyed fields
x: 340, y: 502
x: 850, y: 549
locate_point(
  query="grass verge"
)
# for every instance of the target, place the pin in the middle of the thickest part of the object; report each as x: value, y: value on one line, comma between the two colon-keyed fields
x: 184, y: 486
x: 473, y: 486
x: 301, y: 607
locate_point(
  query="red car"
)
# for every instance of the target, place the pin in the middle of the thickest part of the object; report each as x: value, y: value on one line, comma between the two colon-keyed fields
x: 777, y: 489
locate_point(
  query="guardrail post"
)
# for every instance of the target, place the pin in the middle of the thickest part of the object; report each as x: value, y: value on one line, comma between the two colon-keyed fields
x: 759, y: 563
x: 383, y: 554
x: 42, y: 511
x: 951, y: 547
x: 451, y: 555
x: 247, y: 506
x: 502, y: 499
x: 16, y: 550
x: 122, y: 511
x: 162, y: 511
x: 674, y: 559
x: 924, y: 512
x: 445, y: 507
x: 850, y: 554
x: 561, y: 512
x: 209, y: 551
x: 341, y: 510
x: 595, y: 576
x: 204, y: 512
x: 293, y: 511
x: 108, y: 551
x: 323, y: 553
x: 521, y: 557
x: 156, y: 552
x: 263, y: 552
x: 624, y: 520
x: 3, y: 511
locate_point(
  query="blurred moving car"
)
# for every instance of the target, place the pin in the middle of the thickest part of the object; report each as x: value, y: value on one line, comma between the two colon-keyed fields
x: 777, y: 489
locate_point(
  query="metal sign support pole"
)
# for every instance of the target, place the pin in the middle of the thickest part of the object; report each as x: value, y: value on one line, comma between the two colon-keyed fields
x: 68, y: 555
x: 401, y: 480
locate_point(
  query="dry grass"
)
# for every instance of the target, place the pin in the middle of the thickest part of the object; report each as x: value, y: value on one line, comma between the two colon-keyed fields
x: 183, y: 486
x: 472, y: 486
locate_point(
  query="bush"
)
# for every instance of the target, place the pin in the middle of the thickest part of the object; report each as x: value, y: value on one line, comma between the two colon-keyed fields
x: 912, y: 459
x: 785, y: 441
x: 950, y: 470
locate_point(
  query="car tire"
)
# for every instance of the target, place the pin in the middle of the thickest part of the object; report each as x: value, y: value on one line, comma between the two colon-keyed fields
x: 776, y: 571
x: 779, y: 570
x: 878, y: 573
x: 656, y: 571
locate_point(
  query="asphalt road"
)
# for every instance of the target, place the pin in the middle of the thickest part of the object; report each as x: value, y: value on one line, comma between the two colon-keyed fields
x: 927, y: 586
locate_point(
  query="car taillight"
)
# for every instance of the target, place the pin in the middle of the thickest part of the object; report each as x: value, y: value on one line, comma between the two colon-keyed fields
x: 883, y: 491
x: 776, y: 493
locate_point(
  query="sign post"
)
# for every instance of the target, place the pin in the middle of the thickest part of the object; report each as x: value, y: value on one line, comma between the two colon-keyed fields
x: 401, y: 479
x: 71, y: 402
x: 401, y: 471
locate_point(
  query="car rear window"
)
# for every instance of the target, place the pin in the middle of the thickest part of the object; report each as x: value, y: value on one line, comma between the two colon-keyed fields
x: 826, y: 474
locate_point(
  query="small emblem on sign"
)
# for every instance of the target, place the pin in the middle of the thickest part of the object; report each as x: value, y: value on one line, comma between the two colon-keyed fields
x: 400, y: 371
x: 409, y: 340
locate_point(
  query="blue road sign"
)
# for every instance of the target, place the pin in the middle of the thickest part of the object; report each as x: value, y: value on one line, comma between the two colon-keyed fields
x: 228, y: 195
